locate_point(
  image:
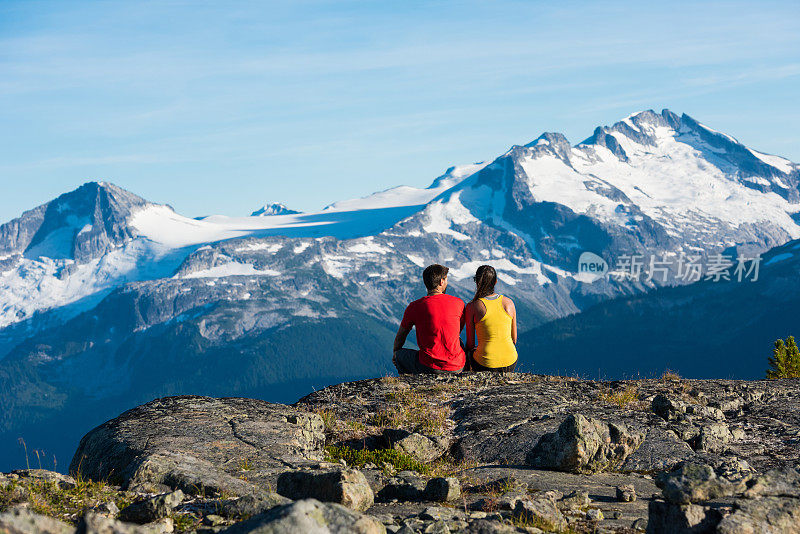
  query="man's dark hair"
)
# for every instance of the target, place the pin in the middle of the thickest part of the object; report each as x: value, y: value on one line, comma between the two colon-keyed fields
x: 433, y: 275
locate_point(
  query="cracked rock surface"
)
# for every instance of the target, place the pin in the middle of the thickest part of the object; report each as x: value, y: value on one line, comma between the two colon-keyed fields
x: 191, y: 443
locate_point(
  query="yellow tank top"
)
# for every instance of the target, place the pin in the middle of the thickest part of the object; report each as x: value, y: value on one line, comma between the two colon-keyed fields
x: 495, y: 348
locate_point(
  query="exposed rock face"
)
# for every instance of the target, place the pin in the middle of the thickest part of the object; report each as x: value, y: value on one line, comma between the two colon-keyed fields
x: 191, y: 443
x: 584, y: 445
x: 81, y: 225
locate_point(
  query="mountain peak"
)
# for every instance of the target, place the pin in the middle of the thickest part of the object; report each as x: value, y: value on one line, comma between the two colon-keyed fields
x: 81, y: 224
x: 274, y: 208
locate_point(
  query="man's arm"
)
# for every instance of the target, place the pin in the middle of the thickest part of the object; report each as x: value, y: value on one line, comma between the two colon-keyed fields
x: 470, y: 327
x: 400, y: 338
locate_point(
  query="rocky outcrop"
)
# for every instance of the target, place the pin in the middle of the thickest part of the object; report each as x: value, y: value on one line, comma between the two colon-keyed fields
x: 201, y: 444
x: 448, y: 454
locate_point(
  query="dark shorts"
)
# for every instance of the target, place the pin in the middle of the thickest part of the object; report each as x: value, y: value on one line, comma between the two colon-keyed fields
x: 407, y: 363
x: 472, y: 365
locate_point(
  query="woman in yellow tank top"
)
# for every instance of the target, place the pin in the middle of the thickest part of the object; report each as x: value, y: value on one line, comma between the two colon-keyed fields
x: 491, y: 318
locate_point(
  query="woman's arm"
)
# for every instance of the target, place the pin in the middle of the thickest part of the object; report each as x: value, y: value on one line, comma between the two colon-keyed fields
x: 508, y: 304
x: 470, y: 327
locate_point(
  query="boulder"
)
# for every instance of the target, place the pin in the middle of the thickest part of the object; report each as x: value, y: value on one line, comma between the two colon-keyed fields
x: 347, y: 487
x: 151, y: 509
x: 310, y: 517
x: 198, y: 444
x: 584, y: 445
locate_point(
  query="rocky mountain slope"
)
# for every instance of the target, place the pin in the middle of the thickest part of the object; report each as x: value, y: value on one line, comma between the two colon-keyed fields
x: 107, y: 300
x: 475, y: 453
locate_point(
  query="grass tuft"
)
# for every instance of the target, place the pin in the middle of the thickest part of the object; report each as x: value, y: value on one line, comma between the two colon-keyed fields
x: 400, y: 461
x: 620, y: 398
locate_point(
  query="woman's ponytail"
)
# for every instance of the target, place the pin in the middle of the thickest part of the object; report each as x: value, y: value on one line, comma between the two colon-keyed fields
x: 485, y: 280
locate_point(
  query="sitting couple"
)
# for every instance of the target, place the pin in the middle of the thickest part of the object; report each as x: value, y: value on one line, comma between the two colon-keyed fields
x: 439, y: 319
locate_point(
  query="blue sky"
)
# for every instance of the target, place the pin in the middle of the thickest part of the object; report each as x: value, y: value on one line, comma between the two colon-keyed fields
x: 219, y: 107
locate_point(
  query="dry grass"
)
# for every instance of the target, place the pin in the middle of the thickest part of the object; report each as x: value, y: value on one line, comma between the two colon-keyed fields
x: 328, y: 418
x: 670, y: 376
x: 410, y: 409
x: 48, y: 498
x: 621, y: 398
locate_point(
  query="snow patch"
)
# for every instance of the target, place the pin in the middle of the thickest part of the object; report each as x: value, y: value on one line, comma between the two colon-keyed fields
x: 231, y: 269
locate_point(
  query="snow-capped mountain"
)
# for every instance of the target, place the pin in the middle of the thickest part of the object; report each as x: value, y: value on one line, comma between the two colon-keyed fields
x: 273, y: 209
x: 106, y: 298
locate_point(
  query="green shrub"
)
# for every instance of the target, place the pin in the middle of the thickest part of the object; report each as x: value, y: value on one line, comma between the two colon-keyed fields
x: 785, y: 360
x: 360, y: 457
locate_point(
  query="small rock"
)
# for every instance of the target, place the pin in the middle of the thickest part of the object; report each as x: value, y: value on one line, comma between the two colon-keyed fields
x: 213, y: 520
x: 576, y: 499
x: 165, y: 525
x: 152, y: 509
x: 416, y: 445
x: 441, y: 489
x: 477, y: 515
x: 107, y: 508
x: 594, y: 514
x: 713, y: 437
x: 438, y: 513
x: 542, y: 511
x: 19, y: 520
x: 669, y: 517
x: 93, y: 523
x: 348, y: 487
x: 439, y: 527
x: 665, y: 407
x: 553, y: 495
x: 405, y: 486
x: 250, y: 505
x: 626, y: 493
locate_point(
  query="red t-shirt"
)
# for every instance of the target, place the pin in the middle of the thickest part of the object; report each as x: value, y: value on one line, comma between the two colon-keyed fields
x: 439, y: 320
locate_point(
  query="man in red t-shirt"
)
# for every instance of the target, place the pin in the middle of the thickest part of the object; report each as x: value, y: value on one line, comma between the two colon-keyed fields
x: 439, y: 319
